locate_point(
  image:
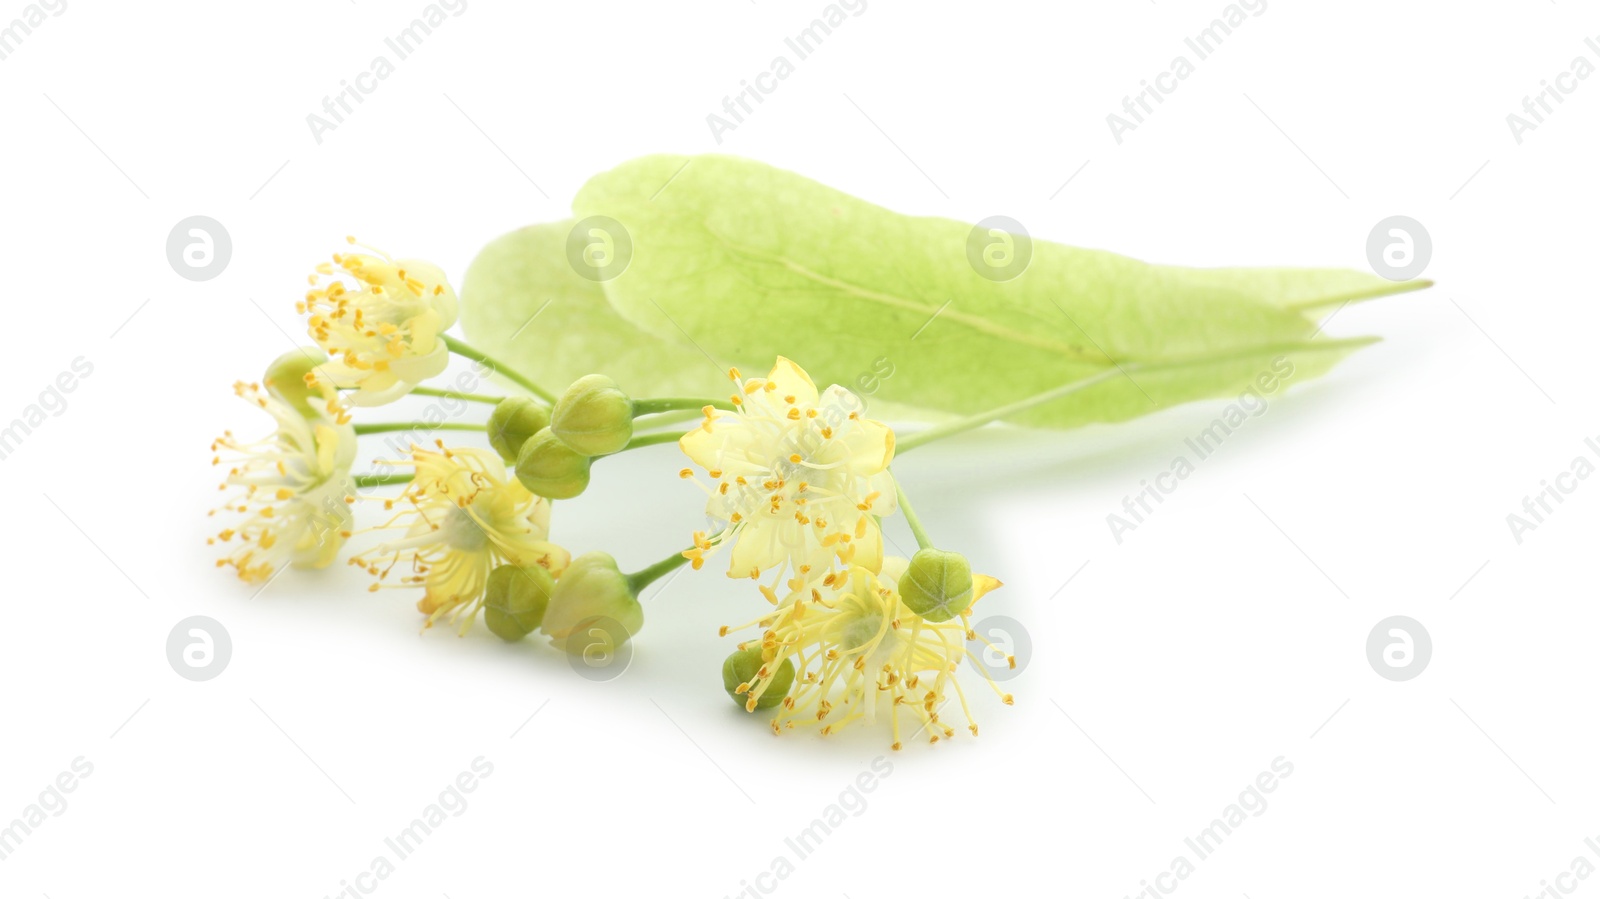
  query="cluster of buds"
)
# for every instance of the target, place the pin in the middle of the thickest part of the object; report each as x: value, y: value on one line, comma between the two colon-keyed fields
x: 592, y: 418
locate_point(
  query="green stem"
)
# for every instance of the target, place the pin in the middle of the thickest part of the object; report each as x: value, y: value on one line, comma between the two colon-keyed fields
x: 381, y: 480
x: 1357, y: 296
x: 939, y: 432
x: 387, y: 426
x: 652, y: 440
x: 497, y: 367
x: 456, y: 395
x: 647, y: 576
x: 675, y: 404
x: 667, y: 418
x: 923, y: 541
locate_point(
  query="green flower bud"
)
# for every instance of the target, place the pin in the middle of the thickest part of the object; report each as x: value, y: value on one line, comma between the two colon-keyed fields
x: 286, y: 380
x: 550, y: 468
x: 740, y: 671
x: 515, y: 600
x: 937, y: 585
x: 594, y: 416
x: 513, y: 421
x: 589, y: 592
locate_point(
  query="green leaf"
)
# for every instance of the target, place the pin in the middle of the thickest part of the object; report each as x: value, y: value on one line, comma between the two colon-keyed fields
x: 742, y: 262
x: 524, y: 304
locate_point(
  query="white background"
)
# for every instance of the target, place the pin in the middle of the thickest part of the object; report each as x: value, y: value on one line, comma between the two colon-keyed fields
x: 1227, y: 631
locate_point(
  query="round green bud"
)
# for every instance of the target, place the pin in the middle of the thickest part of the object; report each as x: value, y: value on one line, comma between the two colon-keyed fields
x: 594, y: 416
x: 286, y: 380
x: 591, y: 590
x: 513, y: 421
x: 742, y: 668
x: 515, y: 600
x: 937, y: 585
x: 550, y: 468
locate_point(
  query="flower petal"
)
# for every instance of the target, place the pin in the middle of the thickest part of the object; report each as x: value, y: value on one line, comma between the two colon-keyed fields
x: 869, y: 548
x: 871, y: 446
x: 789, y: 379
x: 981, y: 584
x: 755, y: 548
x: 703, y: 446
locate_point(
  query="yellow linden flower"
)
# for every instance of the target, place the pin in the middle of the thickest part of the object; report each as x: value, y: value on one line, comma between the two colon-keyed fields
x: 294, y: 486
x: 463, y: 518
x: 797, y: 479
x: 855, y: 645
x: 380, y: 321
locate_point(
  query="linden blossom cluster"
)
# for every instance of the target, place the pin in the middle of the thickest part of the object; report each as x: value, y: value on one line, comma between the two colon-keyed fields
x: 796, y: 480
